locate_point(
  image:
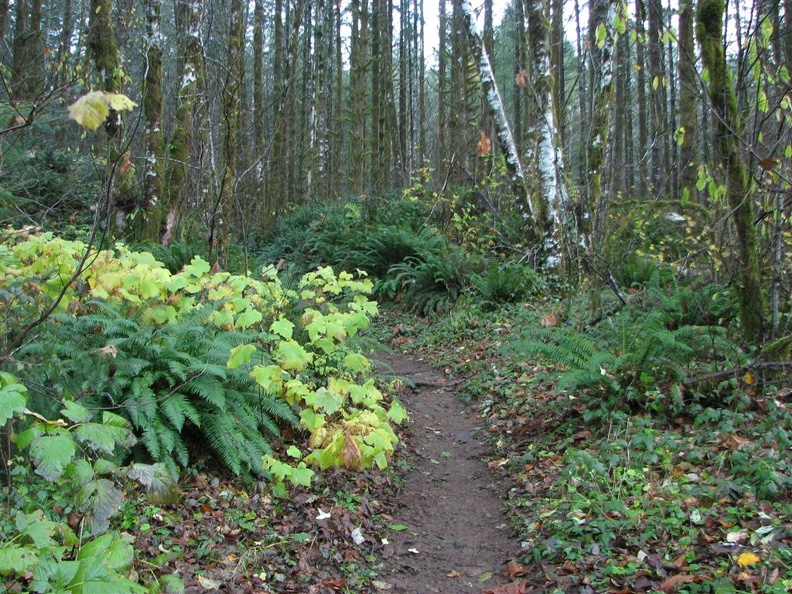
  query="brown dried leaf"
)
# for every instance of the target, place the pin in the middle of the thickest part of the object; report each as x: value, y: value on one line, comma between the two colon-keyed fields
x: 513, y: 588
x: 484, y: 145
x: 521, y: 78
x: 549, y: 320
x: 675, y: 581
x: 514, y: 569
x: 351, y: 453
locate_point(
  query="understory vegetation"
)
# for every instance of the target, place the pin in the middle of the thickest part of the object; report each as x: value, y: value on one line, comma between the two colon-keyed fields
x: 147, y: 397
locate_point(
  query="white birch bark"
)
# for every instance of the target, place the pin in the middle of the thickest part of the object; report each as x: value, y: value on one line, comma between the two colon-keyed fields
x: 544, y: 150
x: 495, y: 104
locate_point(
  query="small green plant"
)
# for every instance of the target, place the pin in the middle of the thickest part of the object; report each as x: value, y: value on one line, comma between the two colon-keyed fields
x: 76, y: 455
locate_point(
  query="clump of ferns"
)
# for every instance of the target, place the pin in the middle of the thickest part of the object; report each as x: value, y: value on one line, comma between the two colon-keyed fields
x: 638, y: 362
x: 170, y: 381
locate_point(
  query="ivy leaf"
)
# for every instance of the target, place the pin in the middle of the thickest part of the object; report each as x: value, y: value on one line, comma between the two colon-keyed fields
x: 248, y: 318
x: 240, y: 355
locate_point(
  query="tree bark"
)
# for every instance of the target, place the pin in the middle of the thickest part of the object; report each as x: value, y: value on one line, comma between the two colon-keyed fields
x: 728, y: 126
x: 505, y: 138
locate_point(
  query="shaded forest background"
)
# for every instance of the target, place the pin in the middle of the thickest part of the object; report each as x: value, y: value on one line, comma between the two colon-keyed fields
x: 650, y: 130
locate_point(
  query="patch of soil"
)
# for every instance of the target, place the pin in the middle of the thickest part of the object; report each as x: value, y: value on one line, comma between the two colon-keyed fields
x: 457, y: 538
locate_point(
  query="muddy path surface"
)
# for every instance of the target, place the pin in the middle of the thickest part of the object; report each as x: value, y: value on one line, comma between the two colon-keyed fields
x: 454, y: 535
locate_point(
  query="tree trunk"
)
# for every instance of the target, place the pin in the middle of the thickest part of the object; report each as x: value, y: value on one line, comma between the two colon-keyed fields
x: 219, y: 229
x: 642, y: 150
x: 543, y: 152
x: 601, y: 49
x: 359, y: 65
x: 688, y: 102
x: 728, y: 126
x: 505, y: 138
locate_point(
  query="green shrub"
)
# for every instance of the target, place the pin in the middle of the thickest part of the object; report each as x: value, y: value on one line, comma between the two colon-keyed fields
x: 508, y: 282
x: 170, y: 381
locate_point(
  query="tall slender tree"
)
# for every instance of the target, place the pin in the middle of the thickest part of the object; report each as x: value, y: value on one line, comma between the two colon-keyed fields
x: 728, y: 126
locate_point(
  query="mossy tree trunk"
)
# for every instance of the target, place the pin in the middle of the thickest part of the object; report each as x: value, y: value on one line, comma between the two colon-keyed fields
x: 601, y: 50
x: 219, y: 227
x: 191, y: 82
x: 688, y: 102
x: 543, y: 153
x: 359, y: 68
x: 150, y: 214
x: 728, y: 126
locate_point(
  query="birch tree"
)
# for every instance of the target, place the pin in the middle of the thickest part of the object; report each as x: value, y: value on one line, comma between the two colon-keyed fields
x: 501, y: 122
x: 543, y: 151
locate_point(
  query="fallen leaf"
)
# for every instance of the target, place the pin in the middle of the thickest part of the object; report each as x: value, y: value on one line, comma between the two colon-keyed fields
x: 453, y: 573
x: 322, y: 515
x: 413, y: 551
x: 513, y: 588
x: 675, y: 581
x: 521, y: 78
x: 747, y: 558
x: 514, y: 569
x: 549, y: 320
x: 381, y: 585
x: 208, y: 584
x: 357, y: 536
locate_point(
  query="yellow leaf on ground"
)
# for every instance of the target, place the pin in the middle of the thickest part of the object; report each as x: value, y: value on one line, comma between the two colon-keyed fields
x: 748, y: 558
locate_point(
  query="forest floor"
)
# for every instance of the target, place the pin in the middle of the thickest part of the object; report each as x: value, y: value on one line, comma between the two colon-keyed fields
x: 435, y: 523
x: 455, y: 536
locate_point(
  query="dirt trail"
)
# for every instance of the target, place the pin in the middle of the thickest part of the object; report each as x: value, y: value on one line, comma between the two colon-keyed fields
x: 457, y: 537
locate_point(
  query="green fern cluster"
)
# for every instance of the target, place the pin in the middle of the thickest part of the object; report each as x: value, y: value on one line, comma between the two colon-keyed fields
x: 170, y: 381
x: 635, y: 356
x: 433, y: 282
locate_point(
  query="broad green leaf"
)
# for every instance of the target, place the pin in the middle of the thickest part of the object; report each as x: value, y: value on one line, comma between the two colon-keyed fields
x: 102, y: 500
x: 282, y: 327
x: 397, y: 413
x: 601, y: 35
x: 13, y: 397
x: 248, y: 318
x: 240, y: 355
x: 113, y: 549
x: 16, y: 559
x: 76, y: 413
x: 51, y: 454
x: 301, y: 475
x: 294, y: 452
x: 326, y: 400
x: 269, y: 377
x: 36, y: 527
x: 311, y: 420
x: 356, y: 363
x: 293, y: 355
x: 104, y: 438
